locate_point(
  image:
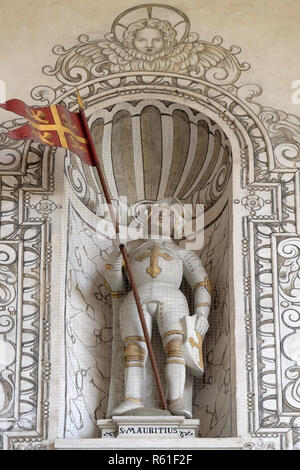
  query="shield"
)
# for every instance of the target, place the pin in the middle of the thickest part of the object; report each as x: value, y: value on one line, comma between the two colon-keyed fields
x: 192, y: 348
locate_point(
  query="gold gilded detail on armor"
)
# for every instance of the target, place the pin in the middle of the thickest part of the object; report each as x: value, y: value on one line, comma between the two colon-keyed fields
x: 133, y: 352
x: 153, y: 270
x: 172, y: 332
x: 115, y: 294
x: 110, y: 266
x: 173, y: 348
x: 133, y: 338
x: 206, y: 283
x: 198, y: 345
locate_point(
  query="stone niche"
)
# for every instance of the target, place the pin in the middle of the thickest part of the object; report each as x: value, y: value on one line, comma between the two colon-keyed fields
x: 149, y: 149
x: 181, y: 126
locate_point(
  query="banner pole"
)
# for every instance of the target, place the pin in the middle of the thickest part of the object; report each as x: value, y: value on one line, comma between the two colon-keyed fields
x: 123, y: 250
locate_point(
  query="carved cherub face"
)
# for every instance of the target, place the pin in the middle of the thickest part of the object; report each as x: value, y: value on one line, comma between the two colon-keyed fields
x: 149, y: 37
x: 149, y: 40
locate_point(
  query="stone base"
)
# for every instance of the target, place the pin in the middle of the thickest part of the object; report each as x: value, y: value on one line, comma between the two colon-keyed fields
x: 148, y: 427
x: 159, y: 443
x: 149, y: 433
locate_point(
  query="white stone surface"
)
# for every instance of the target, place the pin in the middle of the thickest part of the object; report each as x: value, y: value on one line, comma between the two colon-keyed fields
x: 153, y: 444
x: 263, y: 251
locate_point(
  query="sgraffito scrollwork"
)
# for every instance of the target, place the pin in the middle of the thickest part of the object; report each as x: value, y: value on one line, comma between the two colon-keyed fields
x: 23, y: 276
x: 149, y: 44
x: 189, y: 71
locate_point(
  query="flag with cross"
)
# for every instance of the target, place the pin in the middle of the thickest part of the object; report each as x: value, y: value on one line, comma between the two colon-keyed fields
x: 56, y: 126
x: 51, y: 125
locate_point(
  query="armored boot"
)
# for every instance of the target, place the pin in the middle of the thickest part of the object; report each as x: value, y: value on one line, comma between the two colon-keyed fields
x: 135, y: 355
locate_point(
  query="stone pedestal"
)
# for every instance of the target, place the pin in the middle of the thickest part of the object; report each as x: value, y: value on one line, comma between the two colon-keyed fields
x: 148, y: 427
x: 149, y: 433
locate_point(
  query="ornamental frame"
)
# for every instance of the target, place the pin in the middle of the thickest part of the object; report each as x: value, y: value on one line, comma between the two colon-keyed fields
x: 265, y: 224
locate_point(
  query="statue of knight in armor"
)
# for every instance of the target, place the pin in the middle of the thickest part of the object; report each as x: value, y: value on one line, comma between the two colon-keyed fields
x: 158, y: 265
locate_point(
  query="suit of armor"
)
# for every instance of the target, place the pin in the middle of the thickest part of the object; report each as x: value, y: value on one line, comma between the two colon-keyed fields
x: 158, y: 268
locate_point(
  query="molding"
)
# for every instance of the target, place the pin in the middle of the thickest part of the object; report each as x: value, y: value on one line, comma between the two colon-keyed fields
x: 266, y: 223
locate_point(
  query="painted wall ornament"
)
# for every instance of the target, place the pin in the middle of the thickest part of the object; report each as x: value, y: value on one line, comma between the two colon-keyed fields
x: 150, y: 44
x: 158, y: 265
x: 266, y: 191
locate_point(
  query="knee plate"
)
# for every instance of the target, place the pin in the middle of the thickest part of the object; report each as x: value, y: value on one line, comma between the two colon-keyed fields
x: 174, y: 351
x: 134, y: 352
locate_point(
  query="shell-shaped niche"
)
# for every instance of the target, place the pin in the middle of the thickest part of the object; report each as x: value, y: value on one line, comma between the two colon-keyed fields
x: 152, y: 149
x: 149, y: 149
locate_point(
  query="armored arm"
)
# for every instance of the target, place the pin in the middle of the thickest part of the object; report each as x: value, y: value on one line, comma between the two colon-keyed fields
x: 197, y: 278
x: 113, y: 275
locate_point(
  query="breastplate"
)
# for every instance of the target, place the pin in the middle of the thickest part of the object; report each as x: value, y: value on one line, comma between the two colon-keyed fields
x: 154, y: 262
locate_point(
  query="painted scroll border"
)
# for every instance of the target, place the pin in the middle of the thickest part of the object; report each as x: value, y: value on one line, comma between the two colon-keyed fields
x: 41, y: 176
x: 247, y: 121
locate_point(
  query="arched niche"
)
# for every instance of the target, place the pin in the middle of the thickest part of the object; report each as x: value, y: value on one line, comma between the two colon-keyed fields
x: 150, y: 149
x: 49, y: 223
x: 265, y: 223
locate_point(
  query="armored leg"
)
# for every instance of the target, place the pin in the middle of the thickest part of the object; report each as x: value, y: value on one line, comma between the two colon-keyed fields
x: 135, y: 356
x: 135, y: 353
x: 173, y: 308
x: 175, y: 373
